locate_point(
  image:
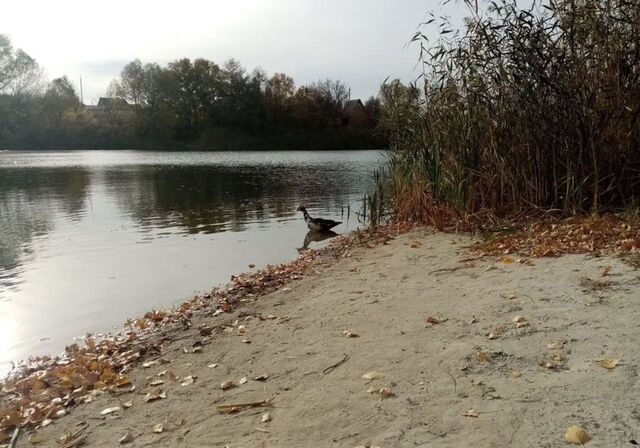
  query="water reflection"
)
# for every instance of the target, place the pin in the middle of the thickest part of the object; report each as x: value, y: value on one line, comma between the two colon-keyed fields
x: 30, y: 201
x: 211, y: 199
x: 316, y: 236
x: 89, y: 238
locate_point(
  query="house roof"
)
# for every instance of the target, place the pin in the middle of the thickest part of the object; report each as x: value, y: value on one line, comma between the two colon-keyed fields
x: 112, y: 102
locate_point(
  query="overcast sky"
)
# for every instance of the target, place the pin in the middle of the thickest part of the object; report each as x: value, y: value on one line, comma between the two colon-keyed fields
x: 360, y: 42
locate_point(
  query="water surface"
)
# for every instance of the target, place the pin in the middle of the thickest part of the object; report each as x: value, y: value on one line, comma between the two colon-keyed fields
x: 89, y: 238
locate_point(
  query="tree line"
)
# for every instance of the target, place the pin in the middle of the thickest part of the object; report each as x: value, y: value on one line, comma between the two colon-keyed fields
x: 186, y: 104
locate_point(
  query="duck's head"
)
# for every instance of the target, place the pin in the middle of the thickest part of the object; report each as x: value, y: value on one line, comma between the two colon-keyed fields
x: 301, y: 209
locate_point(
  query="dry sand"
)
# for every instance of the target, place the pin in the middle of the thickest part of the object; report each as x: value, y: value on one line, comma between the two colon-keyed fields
x: 437, y: 372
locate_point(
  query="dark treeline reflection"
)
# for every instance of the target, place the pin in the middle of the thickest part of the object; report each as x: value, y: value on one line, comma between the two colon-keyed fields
x: 210, y: 199
x: 30, y: 202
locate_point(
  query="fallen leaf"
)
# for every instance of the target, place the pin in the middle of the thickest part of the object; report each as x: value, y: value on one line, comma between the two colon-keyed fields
x: 153, y: 396
x: 576, y: 435
x: 519, y: 319
x: 432, y: 320
x: 506, y: 260
x: 149, y: 364
x: 212, y: 366
x: 266, y: 417
x: 493, y: 336
x: 508, y: 295
x: 350, y: 334
x: 370, y: 376
x: 35, y: 439
x: 158, y: 428
x: 156, y: 382
x: 522, y: 324
x: 606, y: 270
x: 243, y: 381
x: 172, y: 376
x: 609, y: 363
x: 472, y: 321
x: 127, y: 404
x: 386, y: 392
x: 197, y: 350
x: 251, y: 266
x: 180, y: 422
x: 246, y: 341
x: 188, y: 380
x: 555, y: 345
x: 516, y: 374
x: 471, y: 413
x: 108, y: 411
x: 126, y: 438
x: 262, y: 377
x: 227, y: 385
x: 483, y: 357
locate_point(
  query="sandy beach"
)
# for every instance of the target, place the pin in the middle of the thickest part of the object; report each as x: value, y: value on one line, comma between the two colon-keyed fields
x: 413, y: 343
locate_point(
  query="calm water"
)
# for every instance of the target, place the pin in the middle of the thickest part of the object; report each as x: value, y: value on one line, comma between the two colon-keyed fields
x: 89, y: 238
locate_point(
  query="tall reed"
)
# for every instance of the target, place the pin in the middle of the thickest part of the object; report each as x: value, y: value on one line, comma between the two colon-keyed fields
x: 522, y: 109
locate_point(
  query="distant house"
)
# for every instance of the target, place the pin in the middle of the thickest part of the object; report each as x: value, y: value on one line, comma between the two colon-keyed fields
x: 109, y: 105
x: 355, y: 115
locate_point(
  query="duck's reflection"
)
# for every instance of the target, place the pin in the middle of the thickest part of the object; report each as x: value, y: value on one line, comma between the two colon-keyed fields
x: 315, y: 236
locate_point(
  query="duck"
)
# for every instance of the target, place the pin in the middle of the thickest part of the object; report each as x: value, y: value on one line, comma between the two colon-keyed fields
x: 317, y: 224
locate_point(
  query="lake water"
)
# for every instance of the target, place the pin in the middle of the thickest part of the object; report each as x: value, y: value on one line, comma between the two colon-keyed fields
x: 89, y: 238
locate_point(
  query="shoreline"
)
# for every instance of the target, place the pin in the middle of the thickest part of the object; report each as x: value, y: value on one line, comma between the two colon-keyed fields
x: 432, y: 329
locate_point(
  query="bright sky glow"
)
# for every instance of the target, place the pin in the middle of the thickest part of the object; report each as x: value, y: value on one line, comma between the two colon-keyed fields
x: 360, y: 42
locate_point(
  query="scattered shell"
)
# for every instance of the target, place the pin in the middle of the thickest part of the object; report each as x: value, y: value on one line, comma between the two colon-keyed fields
x: 158, y: 428
x: 243, y: 381
x: 127, y: 404
x: 609, y: 363
x: 519, y: 319
x: 266, y: 417
x: 493, y: 336
x: 212, y: 366
x: 262, y: 377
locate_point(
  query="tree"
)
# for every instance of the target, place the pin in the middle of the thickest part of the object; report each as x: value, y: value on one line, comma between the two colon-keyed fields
x: 132, y: 82
x: 59, y: 98
x: 13, y: 63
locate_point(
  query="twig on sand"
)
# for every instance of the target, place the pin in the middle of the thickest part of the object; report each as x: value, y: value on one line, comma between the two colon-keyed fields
x: 237, y: 407
x: 14, y: 437
x: 450, y: 269
x: 73, y: 440
x: 455, y: 383
x: 334, y: 366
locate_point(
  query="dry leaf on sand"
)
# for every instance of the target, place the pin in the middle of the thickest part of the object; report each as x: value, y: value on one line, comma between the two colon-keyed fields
x: 471, y: 413
x: 350, y: 334
x: 227, y: 385
x: 609, y: 363
x: 555, y: 345
x: 370, y: 376
x: 156, y: 395
x: 188, y: 380
x: 111, y: 410
x: 576, y: 435
x: 127, y: 438
x: 158, y: 428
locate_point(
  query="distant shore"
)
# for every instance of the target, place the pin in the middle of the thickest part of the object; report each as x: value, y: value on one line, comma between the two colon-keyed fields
x: 408, y: 343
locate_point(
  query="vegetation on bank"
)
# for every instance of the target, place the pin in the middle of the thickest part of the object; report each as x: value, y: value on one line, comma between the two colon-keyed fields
x: 188, y: 104
x: 523, y: 109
